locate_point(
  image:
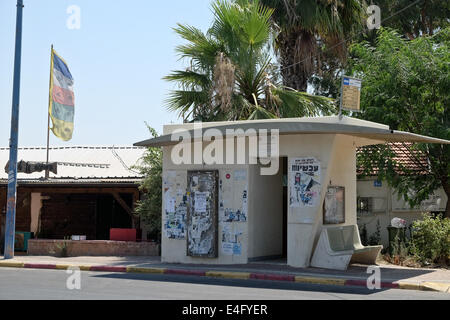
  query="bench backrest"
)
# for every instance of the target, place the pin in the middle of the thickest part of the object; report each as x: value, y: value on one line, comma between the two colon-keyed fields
x: 343, y: 238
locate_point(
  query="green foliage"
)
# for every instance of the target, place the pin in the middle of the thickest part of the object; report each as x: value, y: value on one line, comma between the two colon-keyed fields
x: 400, y: 250
x: 311, y: 40
x: 375, y: 238
x: 363, y: 235
x: 149, y: 209
x: 424, y: 17
x: 230, y: 74
x: 63, y: 248
x: 430, y: 240
x: 406, y: 86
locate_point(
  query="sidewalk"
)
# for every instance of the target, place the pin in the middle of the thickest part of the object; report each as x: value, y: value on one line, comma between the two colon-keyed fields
x: 356, y: 275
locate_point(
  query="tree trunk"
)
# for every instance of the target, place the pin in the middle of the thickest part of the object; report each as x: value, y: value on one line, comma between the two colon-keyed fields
x: 294, y: 70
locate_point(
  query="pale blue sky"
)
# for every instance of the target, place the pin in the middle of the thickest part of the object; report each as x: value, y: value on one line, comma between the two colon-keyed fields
x: 117, y: 59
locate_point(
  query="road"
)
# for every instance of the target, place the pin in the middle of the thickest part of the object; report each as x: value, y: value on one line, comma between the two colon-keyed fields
x: 51, y: 284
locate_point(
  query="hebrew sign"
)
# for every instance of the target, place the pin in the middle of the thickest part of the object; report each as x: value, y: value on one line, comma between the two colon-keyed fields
x: 304, y: 182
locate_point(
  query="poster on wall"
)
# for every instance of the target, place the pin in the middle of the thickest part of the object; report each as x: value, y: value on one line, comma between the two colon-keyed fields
x: 202, y: 217
x: 175, y: 206
x: 175, y: 222
x: 175, y: 215
x: 304, y: 182
x: 233, y: 196
x: 334, y: 206
x: 232, y: 239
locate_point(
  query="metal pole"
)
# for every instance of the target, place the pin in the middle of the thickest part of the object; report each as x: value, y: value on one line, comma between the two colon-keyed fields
x: 341, y: 97
x: 12, y: 174
x: 47, y: 171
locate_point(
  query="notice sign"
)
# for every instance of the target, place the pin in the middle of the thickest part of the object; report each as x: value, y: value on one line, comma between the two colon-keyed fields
x: 351, y: 93
x: 200, y: 201
x: 304, y: 182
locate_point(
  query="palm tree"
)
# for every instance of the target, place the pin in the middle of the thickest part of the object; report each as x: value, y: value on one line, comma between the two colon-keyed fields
x: 230, y: 74
x: 304, y: 28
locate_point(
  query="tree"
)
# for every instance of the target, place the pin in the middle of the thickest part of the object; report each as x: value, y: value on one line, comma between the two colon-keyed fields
x: 406, y: 86
x: 415, y: 18
x: 311, y: 34
x: 149, y: 209
x: 230, y: 74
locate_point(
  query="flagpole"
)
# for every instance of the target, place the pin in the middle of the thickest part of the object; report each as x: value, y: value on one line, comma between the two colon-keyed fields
x: 47, y: 173
x: 10, y: 225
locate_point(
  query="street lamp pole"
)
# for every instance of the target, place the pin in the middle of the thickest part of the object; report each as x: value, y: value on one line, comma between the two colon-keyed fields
x: 13, y: 142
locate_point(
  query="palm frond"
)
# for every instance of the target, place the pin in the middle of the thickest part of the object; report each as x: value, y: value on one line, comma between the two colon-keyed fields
x: 261, y: 113
x: 292, y: 104
x: 189, y: 79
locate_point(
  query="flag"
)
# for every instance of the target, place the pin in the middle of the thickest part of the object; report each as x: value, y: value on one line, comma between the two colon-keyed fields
x: 62, y: 101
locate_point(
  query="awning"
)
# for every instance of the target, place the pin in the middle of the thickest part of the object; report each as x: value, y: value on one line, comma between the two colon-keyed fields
x: 360, y: 128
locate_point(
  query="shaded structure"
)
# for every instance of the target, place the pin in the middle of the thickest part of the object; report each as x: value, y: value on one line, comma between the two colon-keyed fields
x: 220, y: 208
x: 95, y: 189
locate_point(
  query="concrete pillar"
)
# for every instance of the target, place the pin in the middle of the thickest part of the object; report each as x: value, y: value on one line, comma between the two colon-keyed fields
x: 337, y: 156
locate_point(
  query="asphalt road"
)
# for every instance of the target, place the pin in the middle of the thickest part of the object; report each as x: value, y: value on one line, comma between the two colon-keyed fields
x: 51, y: 285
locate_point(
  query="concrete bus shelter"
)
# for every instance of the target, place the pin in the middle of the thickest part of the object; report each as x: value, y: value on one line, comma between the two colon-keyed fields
x: 220, y: 207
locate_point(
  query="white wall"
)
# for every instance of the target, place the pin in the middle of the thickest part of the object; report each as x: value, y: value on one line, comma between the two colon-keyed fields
x: 393, y: 208
x: 337, y: 155
x: 175, y: 250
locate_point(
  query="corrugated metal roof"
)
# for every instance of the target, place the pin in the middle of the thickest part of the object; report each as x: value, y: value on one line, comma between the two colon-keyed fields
x: 79, y: 164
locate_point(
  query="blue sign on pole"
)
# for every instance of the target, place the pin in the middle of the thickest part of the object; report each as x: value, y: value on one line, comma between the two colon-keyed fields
x: 12, y: 173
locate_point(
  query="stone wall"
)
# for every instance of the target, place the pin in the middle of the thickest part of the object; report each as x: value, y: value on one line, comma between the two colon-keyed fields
x: 37, y: 247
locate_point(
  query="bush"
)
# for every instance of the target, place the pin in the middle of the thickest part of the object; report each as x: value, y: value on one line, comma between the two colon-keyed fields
x: 375, y: 238
x: 430, y: 241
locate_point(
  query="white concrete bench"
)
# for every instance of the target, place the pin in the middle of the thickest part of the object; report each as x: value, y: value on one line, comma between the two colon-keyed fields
x: 338, y: 246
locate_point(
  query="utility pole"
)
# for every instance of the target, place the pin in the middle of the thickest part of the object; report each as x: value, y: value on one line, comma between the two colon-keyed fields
x: 47, y: 172
x: 13, y: 142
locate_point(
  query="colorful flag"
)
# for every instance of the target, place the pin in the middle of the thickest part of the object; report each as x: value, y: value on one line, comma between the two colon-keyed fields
x: 62, y: 101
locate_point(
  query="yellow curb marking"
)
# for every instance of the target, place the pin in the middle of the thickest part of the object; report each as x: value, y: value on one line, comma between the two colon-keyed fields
x: 67, y: 266
x: 12, y: 264
x: 230, y: 275
x: 426, y: 286
x: 145, y: 270
x: 62, y: 266
x: 408, y: 286
x: 330, y: 281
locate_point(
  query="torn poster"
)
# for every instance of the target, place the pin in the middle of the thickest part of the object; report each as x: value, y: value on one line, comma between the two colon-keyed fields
x: 233, y: 198
x: 175, y: 222
x: 200, y: 201
x: 304, y: 182
x: 231, y: 239
x: 200, y: 246
x: 240, y: 175
x: 170, y: 204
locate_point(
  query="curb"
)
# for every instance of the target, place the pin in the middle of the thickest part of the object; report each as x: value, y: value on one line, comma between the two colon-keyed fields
x: 422, y: 286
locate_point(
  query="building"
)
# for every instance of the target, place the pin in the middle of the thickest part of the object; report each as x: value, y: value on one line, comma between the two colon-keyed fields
x: 297, y: 176
x: 378, y: 203
x: 95, y: 189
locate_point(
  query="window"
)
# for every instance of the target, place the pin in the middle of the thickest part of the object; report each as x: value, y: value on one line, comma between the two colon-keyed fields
x: 364, y: 205
x: 371, y: 205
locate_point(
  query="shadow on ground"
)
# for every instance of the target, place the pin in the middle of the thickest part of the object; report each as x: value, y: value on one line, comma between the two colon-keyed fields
x: 248, y: 283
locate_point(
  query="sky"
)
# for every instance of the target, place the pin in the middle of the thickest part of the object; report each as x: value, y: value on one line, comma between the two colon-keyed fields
x: 117, y: 58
